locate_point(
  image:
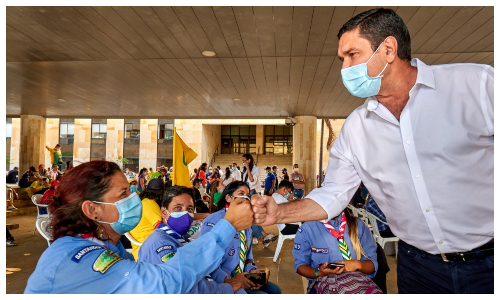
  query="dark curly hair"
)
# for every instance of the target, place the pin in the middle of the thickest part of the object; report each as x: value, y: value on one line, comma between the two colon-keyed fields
x: 229, y: 190
x: 88, y: 181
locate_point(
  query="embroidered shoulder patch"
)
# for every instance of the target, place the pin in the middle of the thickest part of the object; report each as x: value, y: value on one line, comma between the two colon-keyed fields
x: 211, y: 224
x: 300, y: 229
x: 296, y: 246
x: 105, y: 261
x: 320, y: 250
x: 168, y: 247
x: 84, y: 251
x: 167, y: 256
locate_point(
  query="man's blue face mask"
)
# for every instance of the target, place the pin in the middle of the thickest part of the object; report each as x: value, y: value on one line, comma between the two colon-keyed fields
x: 357, y: 81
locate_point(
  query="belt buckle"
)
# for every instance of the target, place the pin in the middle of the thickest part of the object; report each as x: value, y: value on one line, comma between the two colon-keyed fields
x: 444, y: 257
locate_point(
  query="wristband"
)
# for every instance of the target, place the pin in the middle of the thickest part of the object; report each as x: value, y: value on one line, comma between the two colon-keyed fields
x: 316, y: 273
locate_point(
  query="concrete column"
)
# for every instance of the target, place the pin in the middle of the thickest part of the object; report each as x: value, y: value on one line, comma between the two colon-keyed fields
x: 82, y: 138
x: 304, y: 150
x: 51, y: 138
x: 191, y: 132
x: 148, y: 147
x: 210, y: 140
x: 114, y: 139
x: 32, y: 142
x: 259, y: 138
x: 337, y: 126
x: 15, y: 141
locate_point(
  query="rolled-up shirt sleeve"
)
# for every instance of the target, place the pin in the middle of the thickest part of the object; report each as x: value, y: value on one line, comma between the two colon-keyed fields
x: 341, y: 179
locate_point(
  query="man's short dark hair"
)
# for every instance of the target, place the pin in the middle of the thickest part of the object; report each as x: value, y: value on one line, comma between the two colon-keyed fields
x: 295, y: 165
x: 376, y: 25
x: 268, y: 168
x: 285, y: 183
x: 275, y: 167
x: 32, y: 169
x: 197, y: 180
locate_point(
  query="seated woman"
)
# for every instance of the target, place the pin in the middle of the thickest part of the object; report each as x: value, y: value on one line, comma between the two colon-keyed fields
x: 91, y: 209
x: 344, y: 239
x: 241, y: 245
x: 151, y: 214
x: 177, y: 212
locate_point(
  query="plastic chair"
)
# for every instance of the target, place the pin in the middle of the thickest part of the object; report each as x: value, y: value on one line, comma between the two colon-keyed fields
x: 281, y: 239
x: 41, y: 224
x: 132, y: 240
x: 376, y: 234
x: 36, y: 200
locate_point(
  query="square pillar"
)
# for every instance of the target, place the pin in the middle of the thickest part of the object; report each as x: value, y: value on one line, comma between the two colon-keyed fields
x: 82, y: 138
x: 32, y: 142
x: 15, y: 142
x: 259, y: 138
x: 114, y: 139
x: 148, y: 147
x: 304, y: 149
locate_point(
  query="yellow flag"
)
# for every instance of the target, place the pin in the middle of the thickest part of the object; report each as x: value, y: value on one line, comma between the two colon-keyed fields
x: 183, y: 155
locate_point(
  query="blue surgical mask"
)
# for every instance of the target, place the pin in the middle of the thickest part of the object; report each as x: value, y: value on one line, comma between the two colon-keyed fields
x: 132, y: 188
x: 130, y: 209
x: 357, y: 81
x: 287, y: 196
x: 180, y: 221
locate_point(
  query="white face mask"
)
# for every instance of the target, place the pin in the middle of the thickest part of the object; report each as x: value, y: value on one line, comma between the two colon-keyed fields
x: 296, y: 169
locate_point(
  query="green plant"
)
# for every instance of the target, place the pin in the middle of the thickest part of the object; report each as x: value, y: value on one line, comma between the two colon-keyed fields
x: 122, y: 160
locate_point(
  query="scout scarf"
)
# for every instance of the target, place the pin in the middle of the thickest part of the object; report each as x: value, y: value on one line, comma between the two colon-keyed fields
x: 344, y: 250
x: 243, y: 252
x: 182, y: 240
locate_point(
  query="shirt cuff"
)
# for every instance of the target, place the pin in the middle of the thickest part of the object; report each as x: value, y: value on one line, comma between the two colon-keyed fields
x: 248, y: 267
x: 329, y: 203
x: 228, y: 289
x: 225, y: 232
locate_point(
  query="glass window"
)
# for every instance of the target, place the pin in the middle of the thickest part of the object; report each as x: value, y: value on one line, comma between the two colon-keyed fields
x: 244, y: 130
x: 132, y: 130
x: 226, y: 130
x: 269, y: 130
x: 165, y: 143
x: 66, y: 139
x: 98, y: 141
x: 235, y: 130
x: 278, y: 139
x: 236, y: 139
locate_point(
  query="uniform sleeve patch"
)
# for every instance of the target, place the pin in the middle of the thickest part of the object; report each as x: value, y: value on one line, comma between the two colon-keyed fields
x: 84, y: 251
x: 163, y: 248
x: 300, y: 229
x: 167, y: 256
x: 107, y: 259
x: 319, y: 250
x: 296, y: 246
x: 211, y: 224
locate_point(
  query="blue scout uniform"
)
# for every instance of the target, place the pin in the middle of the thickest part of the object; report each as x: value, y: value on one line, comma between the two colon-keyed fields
x: 76, y: 265
x: 314, y: 245
x: 162, y: 245
x: 231, y: 256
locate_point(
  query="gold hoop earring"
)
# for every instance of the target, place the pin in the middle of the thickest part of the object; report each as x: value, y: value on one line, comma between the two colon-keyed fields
x: 100, y: 231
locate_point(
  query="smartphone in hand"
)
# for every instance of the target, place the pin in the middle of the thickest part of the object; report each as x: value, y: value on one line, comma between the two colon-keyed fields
x: 334, y: 265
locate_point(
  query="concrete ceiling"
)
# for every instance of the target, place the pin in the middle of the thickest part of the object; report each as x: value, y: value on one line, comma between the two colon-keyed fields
x: 147, y: 61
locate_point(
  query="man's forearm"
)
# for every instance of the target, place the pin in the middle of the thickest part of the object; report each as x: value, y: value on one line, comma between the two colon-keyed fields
x: 300, y: 211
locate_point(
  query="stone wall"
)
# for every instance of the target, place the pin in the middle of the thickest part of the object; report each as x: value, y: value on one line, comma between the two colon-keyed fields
x: 148, y: 143
x: 82, y: 136
x: 305, y: 134
x: 32, y: 142
x: 15, y: 141
x: 211, y: 137
x: 114, y: 139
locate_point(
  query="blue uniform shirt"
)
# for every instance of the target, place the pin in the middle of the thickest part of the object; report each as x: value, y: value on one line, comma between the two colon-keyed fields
x: 159, y: 247
x: 315, y: 245
x: 268, y: 182
x: 231, y: 256
x: 80, y: 266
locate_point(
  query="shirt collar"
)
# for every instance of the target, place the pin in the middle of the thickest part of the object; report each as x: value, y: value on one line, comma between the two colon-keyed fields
x: 425, y: 76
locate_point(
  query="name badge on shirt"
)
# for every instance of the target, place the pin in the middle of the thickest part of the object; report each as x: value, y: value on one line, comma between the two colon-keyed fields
x: 163, y: 248
x: 84, y: 251
x: 296, y: 246
x: 211, y: 224
x: 231, y: 252
x: 320, y: 250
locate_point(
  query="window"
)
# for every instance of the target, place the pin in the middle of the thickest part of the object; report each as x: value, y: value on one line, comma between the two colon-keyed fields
x: 98, y: 141
x: 66, y: 139
x: 165, y: 144
x: 132, y: 130
x: 131, y: 144
x: 278, y: 139
x: 238, y: 139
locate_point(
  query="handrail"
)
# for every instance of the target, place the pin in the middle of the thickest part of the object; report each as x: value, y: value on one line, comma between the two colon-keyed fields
x: 212, y: 160
x: 257, y: 156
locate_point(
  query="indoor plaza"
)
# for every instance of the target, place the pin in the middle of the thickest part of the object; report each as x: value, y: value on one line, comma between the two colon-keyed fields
x: 361, y: 114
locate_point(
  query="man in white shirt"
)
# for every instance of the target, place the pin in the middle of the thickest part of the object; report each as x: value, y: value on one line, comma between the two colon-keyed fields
x: 422, y: 143
x: 236, y: 172
x: 282, y: 195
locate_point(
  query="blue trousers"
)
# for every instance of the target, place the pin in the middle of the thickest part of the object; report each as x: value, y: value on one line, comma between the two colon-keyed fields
x: 298, y: 194
x: 257, y: 231
x: 270, y: 288
x: 422, y: 273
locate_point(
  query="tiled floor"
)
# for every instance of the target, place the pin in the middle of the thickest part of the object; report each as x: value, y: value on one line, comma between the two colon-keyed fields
x: 30, y: 247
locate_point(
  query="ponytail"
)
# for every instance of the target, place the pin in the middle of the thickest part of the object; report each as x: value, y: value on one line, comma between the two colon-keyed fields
x: 352, y: 225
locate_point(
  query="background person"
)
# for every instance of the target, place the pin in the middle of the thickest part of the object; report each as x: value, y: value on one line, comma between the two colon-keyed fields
x: 54, y: 172
x: 299, y: 182
x: 282, y: 195
x: 42, y: 172
x: 12, y: 175
x: 410, y: 101
x: 28, y: 178
x: 141, y: 181
x: 228, y: 177
x: 86, y: 255
x: 269, y: 182
x: 55, y: 155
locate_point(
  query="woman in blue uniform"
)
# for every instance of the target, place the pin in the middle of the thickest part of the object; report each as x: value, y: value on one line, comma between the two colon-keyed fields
x: 177, y: 212
x: 344, y: 239
x: 91, y: 209
x: 238, y: 257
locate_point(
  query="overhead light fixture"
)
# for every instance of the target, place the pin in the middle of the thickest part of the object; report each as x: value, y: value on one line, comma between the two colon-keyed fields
x: 208, y: 53
x: 236, y: 99
x: 62, y: 100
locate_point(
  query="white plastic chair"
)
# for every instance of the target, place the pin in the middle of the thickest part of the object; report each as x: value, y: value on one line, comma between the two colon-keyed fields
x: 41, y: 224
x: 36, y: 200
x: 376, y: 234
x: 281, y: 239
x: 133, y: 241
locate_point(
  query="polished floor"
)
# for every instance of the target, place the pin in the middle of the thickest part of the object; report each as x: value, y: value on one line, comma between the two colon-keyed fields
x: 30, y: 247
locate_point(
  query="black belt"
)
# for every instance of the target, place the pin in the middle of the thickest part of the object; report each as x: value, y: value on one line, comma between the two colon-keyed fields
x: 483, y: 251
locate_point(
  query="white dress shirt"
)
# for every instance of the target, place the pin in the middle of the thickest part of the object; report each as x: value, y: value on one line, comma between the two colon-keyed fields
x: 254, y: 185
x: 431, y: 173
x: 237, y: 175
x: 279, y: 199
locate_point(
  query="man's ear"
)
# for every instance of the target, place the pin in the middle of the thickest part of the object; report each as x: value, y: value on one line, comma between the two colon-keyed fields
x: 90, y: 210
x: 391, y: 49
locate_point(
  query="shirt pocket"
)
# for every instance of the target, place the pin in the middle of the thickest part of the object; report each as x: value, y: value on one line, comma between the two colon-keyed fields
x: 319, y: 256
